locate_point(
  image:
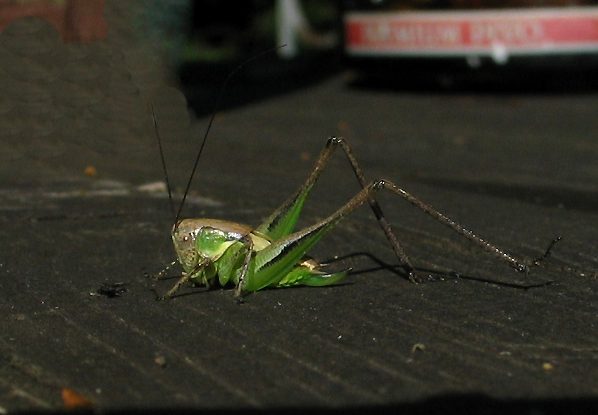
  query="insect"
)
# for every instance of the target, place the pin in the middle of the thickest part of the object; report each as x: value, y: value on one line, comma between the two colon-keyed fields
x: 216, y: 252
x: 219, y: 253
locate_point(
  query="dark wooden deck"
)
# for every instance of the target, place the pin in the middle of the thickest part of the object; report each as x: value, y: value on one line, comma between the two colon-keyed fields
x: 517, y: 168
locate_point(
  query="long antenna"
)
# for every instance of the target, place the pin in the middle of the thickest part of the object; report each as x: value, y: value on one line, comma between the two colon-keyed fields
x: 205, y: 137
x: 163, y: 162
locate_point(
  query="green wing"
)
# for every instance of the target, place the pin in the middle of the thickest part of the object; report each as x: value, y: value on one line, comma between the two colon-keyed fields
x: 282, y: 222
x: 273, y: 263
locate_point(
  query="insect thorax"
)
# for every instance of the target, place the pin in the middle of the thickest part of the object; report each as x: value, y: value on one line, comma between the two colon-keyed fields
x: 205, y: 239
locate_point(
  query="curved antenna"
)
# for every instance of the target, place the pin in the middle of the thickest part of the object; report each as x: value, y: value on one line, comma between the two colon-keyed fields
x: 205, y: 137
x: 163, y: 162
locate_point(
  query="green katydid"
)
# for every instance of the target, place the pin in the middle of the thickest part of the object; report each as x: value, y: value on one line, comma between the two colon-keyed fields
x: 220, y: 253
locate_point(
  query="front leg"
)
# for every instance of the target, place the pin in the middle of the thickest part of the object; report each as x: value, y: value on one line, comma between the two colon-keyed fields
x: 186, y: 276
x: 160, y: 274
x: 248, y: 242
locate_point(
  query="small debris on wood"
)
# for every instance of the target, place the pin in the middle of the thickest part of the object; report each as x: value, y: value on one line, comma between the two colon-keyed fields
x: 110, y: 290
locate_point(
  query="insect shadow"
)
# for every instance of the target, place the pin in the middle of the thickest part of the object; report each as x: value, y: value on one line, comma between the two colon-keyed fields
x: 428, y: 275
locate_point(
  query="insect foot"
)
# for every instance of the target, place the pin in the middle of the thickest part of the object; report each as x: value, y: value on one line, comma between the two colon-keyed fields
x: 547, y: 253
x: 162, y: 273
x: 158, y: 296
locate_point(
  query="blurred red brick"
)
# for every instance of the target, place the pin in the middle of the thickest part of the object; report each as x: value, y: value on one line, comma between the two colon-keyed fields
x: 75, y: 20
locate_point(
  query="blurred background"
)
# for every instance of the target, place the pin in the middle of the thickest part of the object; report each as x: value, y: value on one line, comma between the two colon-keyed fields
x: 101, y: 62
x: 409, y: 44
x: 405, y: 43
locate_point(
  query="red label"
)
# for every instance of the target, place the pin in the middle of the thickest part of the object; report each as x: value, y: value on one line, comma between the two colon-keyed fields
x: 450, y: 33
